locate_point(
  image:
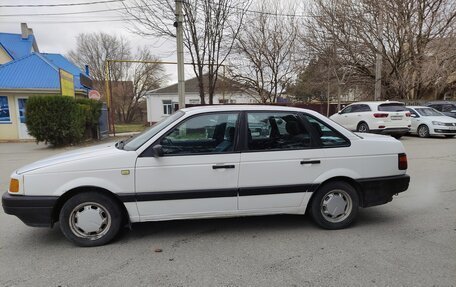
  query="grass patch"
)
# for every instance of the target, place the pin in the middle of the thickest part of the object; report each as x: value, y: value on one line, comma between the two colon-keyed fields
x: 127, y: 128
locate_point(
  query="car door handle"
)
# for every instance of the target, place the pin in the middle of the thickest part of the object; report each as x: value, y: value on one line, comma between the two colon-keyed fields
x: 223, y: 166
x: 310, y: 161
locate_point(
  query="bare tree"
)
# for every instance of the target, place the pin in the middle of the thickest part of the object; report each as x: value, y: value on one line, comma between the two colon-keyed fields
x: 128, y: 81
x: 403, y: 31
x: 210, y: 29
x: 267, y: 52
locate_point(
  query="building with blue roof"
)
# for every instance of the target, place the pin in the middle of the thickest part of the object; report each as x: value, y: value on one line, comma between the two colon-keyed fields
x: 25, y: 72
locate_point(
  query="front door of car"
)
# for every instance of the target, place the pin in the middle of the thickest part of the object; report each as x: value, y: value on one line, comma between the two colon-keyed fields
x: 279, y: 167
x: 344, y: 115
x: 197, y: 174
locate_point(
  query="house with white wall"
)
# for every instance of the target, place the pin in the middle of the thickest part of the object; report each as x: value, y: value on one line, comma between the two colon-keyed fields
x: 164, y: 101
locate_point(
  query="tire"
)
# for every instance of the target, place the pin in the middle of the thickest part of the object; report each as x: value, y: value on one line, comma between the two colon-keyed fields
x: 98, y: 210
x: 449, y: 136
x: 362, y: 127
x: 397, y: 136
x: 423, y: 131
x: 326, y: 200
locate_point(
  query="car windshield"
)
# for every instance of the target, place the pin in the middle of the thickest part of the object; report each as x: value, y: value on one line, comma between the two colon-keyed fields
x: 135, y: 142
x: 429, y: 112
x: 392, y: 107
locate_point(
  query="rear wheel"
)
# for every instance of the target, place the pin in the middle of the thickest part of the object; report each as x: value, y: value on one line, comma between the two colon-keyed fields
x: 335, y: 205
x: 423, y: 131
x: 90, y: 219
x: 362, y: 127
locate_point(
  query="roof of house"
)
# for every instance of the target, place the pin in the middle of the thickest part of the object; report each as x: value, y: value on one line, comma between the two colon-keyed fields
x: 192, y: 86
x: 37, y: 71
x: 15, y: 45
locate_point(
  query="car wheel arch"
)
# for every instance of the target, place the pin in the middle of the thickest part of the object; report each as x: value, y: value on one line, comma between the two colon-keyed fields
x: 345, y: 179
x: 72, y: 192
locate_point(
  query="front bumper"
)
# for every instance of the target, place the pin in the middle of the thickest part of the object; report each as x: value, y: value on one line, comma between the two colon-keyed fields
x: 380, y: 190
x: 32, y: 210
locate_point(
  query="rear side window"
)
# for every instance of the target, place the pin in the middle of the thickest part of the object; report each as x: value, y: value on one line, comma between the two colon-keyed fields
x: 276, y: 131
x: 364, y: 108
x: 328, y: 136
x: 392, y: 107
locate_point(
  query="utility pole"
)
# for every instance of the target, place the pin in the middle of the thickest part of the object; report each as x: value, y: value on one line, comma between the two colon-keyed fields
x: 379, y: 58
x: 180, y: 53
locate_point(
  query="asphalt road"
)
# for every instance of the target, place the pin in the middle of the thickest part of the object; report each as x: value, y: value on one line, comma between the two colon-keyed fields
x: 408, y: 242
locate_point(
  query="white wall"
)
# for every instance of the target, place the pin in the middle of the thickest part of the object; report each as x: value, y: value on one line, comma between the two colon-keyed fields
x: 155, y: 102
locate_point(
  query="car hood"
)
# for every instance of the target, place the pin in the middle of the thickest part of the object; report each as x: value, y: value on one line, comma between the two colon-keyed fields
x: 78, y: 154
x: 443, y: 119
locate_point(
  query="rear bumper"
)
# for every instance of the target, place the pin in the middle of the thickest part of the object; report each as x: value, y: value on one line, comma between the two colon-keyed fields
x: 392, y: 131
x: 32, y: 210
x: 380, y: 190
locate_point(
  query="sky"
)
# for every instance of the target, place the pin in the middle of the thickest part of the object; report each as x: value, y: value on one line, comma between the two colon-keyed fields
x: 57, y: 33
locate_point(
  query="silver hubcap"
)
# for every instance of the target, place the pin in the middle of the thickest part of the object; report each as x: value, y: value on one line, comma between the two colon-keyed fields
x: 336, y: 205
x: 90, y: 220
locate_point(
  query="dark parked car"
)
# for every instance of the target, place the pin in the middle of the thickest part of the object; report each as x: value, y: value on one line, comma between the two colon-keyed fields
x: 446, y: 107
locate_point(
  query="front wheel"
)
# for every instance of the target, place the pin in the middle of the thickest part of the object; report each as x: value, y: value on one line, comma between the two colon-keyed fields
x: 423, y: 131
x: 90, y: 219
x: 335, y: 205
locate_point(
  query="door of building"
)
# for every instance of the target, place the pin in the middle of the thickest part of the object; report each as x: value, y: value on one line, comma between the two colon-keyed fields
x: 22, y: 127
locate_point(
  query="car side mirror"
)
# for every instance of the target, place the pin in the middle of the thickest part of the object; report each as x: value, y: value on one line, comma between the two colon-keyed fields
x: 157, y: 151
x: 339, y: 112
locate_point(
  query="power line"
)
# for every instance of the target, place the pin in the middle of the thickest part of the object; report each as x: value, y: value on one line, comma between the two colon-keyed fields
x: 60, y: 4
x: 75, y: 21
x: 64, y: 13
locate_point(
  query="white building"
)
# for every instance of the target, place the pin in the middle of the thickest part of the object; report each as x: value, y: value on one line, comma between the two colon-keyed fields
x: 164, y: 101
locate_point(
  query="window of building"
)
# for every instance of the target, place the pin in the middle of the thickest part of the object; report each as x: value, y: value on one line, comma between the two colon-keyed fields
x: 4, y: 110
x: 167, y: 107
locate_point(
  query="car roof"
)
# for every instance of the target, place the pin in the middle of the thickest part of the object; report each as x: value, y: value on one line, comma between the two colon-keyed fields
x: 441, y: 102
x: 379, y: 102
x: 216, y: 108
x: 418, y: 107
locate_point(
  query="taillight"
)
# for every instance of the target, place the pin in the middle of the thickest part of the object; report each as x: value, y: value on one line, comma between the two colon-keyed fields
x: 408, y: 114
x: 380, y: 115
x: 402, y: 161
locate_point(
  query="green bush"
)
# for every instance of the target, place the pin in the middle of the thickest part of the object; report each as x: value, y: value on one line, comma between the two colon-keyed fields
x: 60, y: 120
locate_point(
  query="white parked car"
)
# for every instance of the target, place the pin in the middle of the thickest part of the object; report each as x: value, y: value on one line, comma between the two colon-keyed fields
x: 213, y: 161
x: 388, y: 117
x: 427, y: 122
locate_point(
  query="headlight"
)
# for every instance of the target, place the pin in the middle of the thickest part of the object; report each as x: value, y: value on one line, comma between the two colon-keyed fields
x: 435, y: 123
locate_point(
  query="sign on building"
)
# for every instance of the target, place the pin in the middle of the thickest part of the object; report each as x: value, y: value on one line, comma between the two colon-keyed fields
x: 66, y: 83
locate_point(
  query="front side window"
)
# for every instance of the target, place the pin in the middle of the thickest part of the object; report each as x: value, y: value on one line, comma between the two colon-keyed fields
x: 448, y: 108
x: 276, y: 131
x: 4, y: 110
x: 207, y: 133
x: 328, y: 136
x: 413, y: 113
x: 347, y: 110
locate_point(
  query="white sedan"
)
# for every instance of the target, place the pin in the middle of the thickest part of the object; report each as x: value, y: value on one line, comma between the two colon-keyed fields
x: 213, y: 161
x: 427, y: 122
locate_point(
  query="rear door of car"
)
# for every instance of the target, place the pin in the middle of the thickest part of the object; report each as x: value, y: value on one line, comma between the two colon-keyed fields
x: 198, y: 172
x: 279, y: 167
